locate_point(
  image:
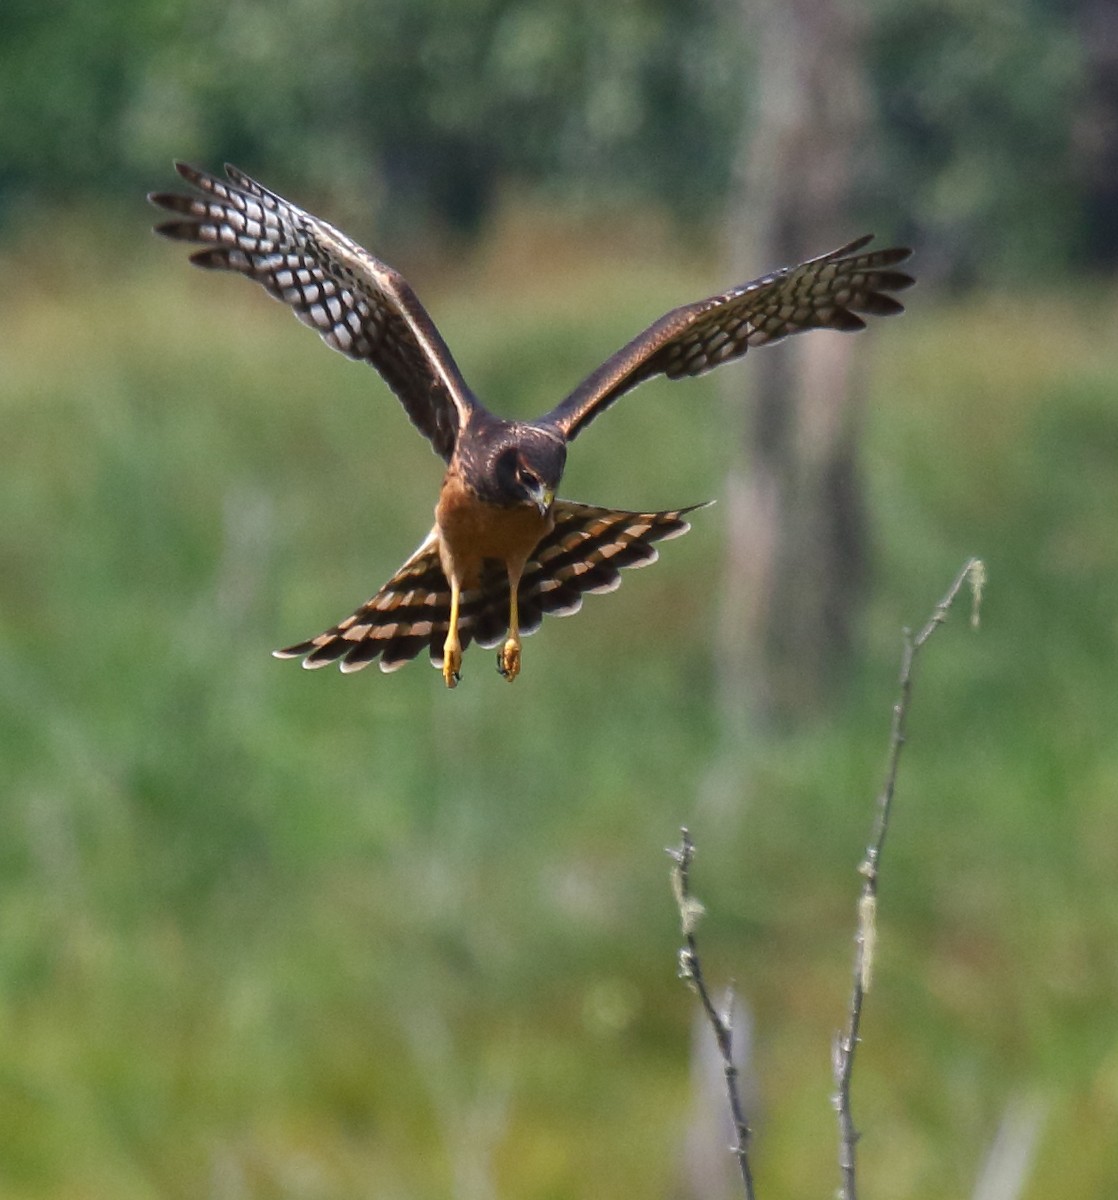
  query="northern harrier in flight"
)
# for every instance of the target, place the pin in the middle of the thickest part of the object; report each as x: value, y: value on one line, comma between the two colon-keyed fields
x: 503, y: 550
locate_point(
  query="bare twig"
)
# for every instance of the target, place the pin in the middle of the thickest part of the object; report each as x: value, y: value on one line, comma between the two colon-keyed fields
x: 846, y: 1042
x: 690, y: 970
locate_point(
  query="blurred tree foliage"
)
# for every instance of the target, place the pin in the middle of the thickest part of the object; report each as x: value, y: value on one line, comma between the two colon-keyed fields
x: 977, y: 104
x: 424, y: 109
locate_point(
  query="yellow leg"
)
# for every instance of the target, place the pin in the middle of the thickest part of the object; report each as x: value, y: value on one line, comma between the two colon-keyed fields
x: 452, y: 648
x: 508, y: 661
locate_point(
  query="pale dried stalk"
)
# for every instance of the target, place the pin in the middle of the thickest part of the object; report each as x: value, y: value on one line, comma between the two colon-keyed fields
x: 691, y: 970
x: 845, y: 1044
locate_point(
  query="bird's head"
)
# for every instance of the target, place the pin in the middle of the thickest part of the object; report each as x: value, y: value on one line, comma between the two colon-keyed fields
x: 528, y: 471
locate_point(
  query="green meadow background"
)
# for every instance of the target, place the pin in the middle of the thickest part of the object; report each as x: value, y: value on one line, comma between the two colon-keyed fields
x: 274, y: 933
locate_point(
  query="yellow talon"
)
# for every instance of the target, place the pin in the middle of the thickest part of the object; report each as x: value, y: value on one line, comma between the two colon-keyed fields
x: 452, y: 648
x: 508, y: 661
x: 452, y: 665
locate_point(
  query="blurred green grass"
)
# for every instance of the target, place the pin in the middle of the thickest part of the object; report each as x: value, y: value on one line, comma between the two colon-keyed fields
x: 277, y: 933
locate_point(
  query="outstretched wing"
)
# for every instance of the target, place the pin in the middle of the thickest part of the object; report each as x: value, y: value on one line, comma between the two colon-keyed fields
x: 825, y: 293
x: 358, y: 304
x: 584, y: 553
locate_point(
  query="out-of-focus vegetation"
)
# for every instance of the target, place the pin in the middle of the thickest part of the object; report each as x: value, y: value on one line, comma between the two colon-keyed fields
x: 425, y: 110
x: 270, y: 933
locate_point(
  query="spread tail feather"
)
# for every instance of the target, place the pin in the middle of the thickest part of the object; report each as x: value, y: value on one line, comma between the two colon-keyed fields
x: 583, y: 554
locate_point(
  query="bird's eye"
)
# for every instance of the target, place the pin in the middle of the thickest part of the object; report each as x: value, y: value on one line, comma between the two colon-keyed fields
x: 529, y: 479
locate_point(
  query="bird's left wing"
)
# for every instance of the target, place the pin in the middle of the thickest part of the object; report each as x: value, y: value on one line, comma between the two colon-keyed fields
x: 828, y: 292
x: 358, y: 304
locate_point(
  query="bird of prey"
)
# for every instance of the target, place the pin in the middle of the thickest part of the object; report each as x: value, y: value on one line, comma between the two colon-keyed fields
x: 503, y: 550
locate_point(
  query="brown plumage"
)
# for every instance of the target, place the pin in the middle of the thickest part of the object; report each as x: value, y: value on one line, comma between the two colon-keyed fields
x: 503, y: 551
x: 583, y: 554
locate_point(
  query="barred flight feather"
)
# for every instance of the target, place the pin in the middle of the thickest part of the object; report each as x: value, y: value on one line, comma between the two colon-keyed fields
x: 356, y: 303
x: 365, y: 309
x: 832, y: 291
x: 583, y: 554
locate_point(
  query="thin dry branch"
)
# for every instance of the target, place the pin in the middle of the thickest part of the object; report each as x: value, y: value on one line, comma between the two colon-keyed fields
x: 973, y: 572
x: 691, y: 970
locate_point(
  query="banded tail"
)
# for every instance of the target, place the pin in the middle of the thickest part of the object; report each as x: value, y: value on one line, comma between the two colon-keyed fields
x: 583, y: 554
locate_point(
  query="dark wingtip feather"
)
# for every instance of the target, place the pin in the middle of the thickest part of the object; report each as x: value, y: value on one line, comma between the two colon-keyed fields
x: 172, y: 201
x: 885, y: 258
x: 239, y: 177
x: 896, y: 254
x: 178, y: 231
x: 189, y: 172
x: 854, y: 246
x: 892, y: 281
x: 877, y: 304
x: 843, y: 320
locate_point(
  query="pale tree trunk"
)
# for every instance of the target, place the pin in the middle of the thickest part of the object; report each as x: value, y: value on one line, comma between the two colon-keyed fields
x: 796, y: 555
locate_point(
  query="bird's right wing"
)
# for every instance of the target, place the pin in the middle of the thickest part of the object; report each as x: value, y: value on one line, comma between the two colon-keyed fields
x: 358, y: 304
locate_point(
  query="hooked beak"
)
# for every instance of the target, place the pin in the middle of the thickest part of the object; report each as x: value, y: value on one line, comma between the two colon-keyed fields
x: 543, y: 498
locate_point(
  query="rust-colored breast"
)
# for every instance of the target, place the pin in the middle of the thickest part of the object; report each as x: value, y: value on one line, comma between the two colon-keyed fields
x: 471, y: 531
